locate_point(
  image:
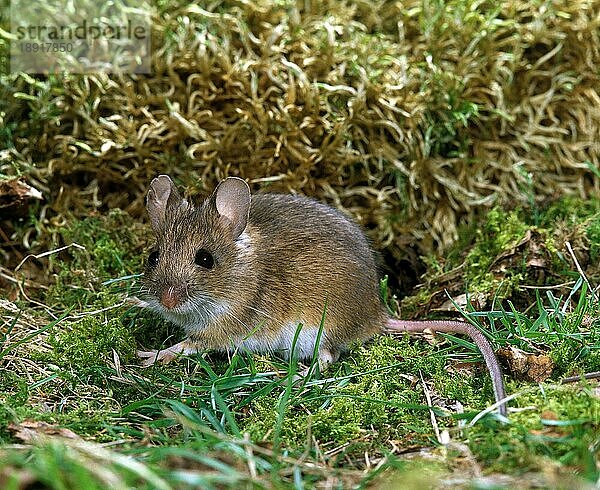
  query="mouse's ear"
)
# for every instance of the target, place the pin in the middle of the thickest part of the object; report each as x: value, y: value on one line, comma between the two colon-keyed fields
x: 162, y: 195
x: 232, y: 200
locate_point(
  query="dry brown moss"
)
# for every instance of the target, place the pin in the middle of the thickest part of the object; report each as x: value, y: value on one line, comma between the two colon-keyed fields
x: 412, y: 115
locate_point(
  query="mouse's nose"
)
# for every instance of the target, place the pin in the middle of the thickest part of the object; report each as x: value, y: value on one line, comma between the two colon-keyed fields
x: 171, y: 297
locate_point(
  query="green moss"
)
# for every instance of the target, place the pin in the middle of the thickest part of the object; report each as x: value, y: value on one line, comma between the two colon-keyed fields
x: 560, y: 424
x: 485, y: 259
x: 501, y: 231
x: 593, y: 234
x: 87, y: 414
x: 88, y: 342
x: 384, y: 400
x: 493, y: 258
x: 13, y: 388
x: 572, y: 210
x: 109, y: 246
x: 571, y: 357
x: 415, y: 303
x: 75, y: 381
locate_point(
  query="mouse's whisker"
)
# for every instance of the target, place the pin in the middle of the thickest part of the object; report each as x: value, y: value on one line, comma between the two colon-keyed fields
x: 201, y: 311
x: 258, y: 310
x: 216, y: 306
x: 266, y: 315
x: 245, y: 325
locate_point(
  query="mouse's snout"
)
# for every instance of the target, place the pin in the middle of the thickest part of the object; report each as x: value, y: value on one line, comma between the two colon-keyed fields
x: 172, y: 296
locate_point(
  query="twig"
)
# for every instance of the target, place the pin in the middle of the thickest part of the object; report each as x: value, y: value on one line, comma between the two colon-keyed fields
x: 48, y: 252
x: 580, y: 270
x: 555, y: 286
x: 491, y: 408
x: 574, y: 379
x: 434, y: 423
x: 77, y: 316
x: 251, y: 461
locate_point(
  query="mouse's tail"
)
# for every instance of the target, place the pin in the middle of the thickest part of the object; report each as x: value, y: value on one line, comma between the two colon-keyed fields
x: 451, y: 326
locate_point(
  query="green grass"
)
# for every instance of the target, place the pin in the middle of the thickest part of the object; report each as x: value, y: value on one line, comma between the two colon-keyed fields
x: 436, y: 105
x: 214, y: 421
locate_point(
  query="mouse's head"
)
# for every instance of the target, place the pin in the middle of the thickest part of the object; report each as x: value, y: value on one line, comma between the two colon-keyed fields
x: 202, y: 253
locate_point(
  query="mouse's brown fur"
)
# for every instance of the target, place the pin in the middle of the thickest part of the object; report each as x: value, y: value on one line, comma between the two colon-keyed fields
x: 285, y: 268
x: 241, y: 273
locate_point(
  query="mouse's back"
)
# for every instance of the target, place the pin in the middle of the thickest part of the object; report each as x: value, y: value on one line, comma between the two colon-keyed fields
x: 311, y: 255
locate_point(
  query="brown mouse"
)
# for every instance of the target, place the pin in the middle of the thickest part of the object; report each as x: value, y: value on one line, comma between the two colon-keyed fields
x: 242, y: 272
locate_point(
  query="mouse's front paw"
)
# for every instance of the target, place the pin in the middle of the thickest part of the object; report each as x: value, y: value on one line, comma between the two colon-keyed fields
x: 166, y: 355
x: 135, y: 301
x: 150, y: 357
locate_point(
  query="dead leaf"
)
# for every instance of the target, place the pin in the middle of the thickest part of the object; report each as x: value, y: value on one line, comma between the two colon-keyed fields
x: 15, y: 195
x: 552, y: 430
x: 528, y: 367
x: 429, y: 336
x: 464, y: 368
x: 549, y: 415
x: 530, y: 248
x: 477, y: 301
x: 30, y: 431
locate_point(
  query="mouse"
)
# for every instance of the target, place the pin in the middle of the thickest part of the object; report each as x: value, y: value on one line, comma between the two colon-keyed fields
x: 242, y: 271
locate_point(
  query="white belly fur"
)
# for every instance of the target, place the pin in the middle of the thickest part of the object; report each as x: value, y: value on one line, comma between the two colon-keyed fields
x: 305, y: 344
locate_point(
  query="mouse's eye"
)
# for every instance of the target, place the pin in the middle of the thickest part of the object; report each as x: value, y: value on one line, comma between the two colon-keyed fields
x: 153, y: 259
x: 204, y: 259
